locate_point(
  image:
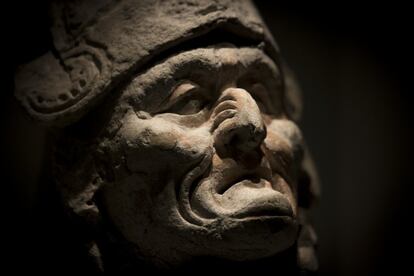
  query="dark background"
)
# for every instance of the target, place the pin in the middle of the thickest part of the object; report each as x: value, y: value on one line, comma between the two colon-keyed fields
x: 354, y: 64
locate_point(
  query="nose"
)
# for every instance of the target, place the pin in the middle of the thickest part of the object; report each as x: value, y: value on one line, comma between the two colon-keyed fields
x: 238, y: 127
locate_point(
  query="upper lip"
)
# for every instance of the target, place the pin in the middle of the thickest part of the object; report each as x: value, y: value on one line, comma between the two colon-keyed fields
x: 217, y: 177
x: 232, y: 175
x: 216, y: 193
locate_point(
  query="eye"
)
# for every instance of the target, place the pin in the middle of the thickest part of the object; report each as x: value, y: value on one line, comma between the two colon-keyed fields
x: 186, y: 99
x: 188, y: 105
x: 260, y: 95
x: 260, y: 104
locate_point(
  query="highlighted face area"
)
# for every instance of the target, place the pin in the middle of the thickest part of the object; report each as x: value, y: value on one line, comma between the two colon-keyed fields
x: 205, y: 159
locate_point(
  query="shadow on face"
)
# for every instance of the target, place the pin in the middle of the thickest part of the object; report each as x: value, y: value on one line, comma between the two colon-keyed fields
x: 205, y: 161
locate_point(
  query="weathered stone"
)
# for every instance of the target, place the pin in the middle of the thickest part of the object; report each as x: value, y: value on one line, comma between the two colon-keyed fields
x: 193, y: 150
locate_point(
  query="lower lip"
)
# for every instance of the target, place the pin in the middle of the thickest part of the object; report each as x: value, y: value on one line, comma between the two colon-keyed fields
x: 264, y: 200
x: 261, y: 212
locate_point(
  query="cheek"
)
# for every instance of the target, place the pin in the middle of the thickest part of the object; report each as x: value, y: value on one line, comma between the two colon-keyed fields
x: 284, y: 140
x: 284, y: 145
x: 286, y: 130
x: 157, y: 145
x: 279, y: 147
x: 130, y: 205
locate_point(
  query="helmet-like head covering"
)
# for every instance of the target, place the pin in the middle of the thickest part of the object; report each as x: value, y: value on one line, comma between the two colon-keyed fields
x: 96, y: 43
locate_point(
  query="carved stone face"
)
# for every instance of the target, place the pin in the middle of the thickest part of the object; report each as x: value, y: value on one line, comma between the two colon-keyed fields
x: 205, y: 160
x: 166, y: 159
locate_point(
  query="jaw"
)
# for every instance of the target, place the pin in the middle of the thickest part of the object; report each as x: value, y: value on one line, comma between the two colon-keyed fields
x: 245, y: 214
x: 247, y: 222
x: 253, y: 238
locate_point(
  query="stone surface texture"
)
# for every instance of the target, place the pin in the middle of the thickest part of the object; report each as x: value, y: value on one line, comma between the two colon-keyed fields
x: 175, y: 129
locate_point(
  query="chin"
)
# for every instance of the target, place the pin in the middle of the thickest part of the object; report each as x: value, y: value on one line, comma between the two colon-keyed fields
x: 252, y: 238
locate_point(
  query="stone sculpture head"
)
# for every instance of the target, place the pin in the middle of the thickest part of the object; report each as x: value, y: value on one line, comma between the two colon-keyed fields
x: 175, y: 128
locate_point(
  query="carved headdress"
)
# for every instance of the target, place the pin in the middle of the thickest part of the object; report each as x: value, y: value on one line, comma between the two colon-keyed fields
x: 97, y: 43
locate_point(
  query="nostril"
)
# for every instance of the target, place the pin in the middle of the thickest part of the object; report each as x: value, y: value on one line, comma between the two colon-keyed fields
x: 238, y: 127
x: 241, y: 143
x: 251, y: 159
x: 248, y: 138
x: 249, y: 156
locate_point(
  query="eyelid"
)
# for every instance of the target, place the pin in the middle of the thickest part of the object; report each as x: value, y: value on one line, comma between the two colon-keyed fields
x: 180, y: 91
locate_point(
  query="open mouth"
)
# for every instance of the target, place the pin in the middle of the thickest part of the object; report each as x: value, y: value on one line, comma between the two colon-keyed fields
x: 229, y: 191
x: 249, y: 180
x: 254, y: 197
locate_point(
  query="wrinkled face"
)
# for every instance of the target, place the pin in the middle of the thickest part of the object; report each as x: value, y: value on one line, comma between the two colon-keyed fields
x: 205, y: 160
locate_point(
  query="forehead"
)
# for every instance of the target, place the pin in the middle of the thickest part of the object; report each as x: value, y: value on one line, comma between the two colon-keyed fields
x: 211, y: 68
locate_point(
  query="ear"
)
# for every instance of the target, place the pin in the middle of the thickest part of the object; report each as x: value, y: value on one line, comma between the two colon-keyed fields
x: 56, y: 90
